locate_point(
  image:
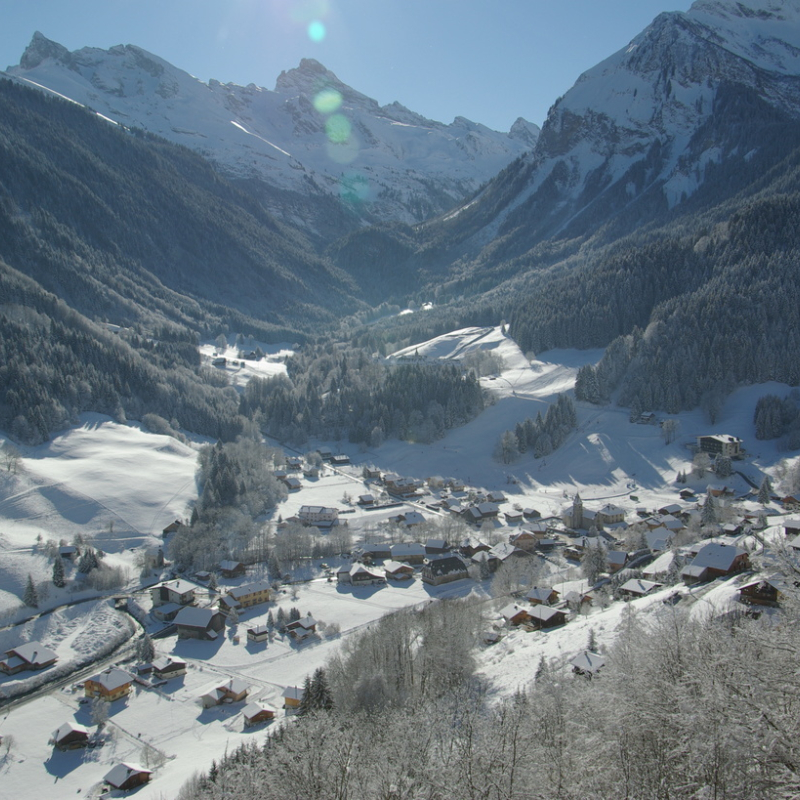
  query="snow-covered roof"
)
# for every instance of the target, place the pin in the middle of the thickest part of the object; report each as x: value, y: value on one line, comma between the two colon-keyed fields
x: 194, y: 617
x: 639, y: 586
x: 34, y: 653
x: 253, y: 709
x: 716, y: 555
x: 112, y: 678
x: 179, y: 586
x: 587, y: 661
x: 293, y: 693
x: 117, y: 776
x: 238, y: 592
x: 68, y: 728
x: 407, y: 549
x: 540, y: 594
x: 164, y: 662
x: 543, y: 613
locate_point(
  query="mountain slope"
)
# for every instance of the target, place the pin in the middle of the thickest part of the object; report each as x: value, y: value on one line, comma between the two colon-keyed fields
x: 134, y: 230
x: 643, y: 131
x: 310, y: 142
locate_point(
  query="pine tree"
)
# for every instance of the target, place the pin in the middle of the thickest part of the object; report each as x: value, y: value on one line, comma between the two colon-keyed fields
x: 212, y: 582
x: 322, y: 697
x: 270, y: 621
x: 307, y: 700
x: 765, y: 491
x: 145, y: 650
x: 591, y: 645
x: 30, y: 598
x: 294, y: 614
x: 708, y: 515
x: 58, y: 573
x: 280, y: 620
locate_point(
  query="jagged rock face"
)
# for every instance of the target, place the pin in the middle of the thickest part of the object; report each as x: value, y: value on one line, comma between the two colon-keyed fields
x: 646, y: 122
x: 311, y: 141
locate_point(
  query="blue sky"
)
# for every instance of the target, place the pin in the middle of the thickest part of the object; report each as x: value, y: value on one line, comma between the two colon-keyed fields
x: 489, y: 61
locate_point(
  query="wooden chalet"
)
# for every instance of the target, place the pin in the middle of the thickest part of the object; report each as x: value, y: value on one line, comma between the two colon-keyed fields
x: 443, y: 570
x: 515, y: 615
x: 292, y: 696
x: 171, y: 528
x: 587, y: 663
x: 398, y: 571
x: 231, y: 691
x: 302, y: 628
x: 637, y: 587
x: 715, y: 560
x: 765, y: 591
x: 546, y: 617
x: 29, y: 656
x: 359, y: 575
x: 168, y: 667
x: 256, y: 713
x: 542, y: 595
x: 199, y: 623
x: 231, y: 569
x: 109, y: 685
x: 408, y: 552
x: 70, y: 736
x: 126, y: 776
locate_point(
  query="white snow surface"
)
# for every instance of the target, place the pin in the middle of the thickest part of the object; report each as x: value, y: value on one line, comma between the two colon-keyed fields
x: 102, y: 470
x: 279, y: 135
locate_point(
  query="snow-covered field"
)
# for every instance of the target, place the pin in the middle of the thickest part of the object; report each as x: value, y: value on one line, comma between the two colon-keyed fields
x: 122, y: 485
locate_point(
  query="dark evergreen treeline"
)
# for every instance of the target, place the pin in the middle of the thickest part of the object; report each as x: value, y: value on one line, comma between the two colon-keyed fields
x: 55, y: 364
x: 775, y: 417
x: 542, y: 435
x: 344, y: 393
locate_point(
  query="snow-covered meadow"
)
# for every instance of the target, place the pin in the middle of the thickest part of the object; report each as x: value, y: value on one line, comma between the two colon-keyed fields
x: 121, y: 485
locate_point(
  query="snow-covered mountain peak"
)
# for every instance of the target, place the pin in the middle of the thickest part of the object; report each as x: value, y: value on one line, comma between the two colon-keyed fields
x: 311, y: 139
x: 40, y: 49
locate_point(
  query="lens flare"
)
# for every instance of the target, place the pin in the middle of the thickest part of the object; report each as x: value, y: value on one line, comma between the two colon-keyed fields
x: 343, y: 153
x: 337, y: 128
x: 327, y: 101
x: 316, y: 31
x: 354, y: 188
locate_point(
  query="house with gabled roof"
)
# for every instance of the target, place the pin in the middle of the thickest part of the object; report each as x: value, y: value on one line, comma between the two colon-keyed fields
x: 256, y: 712
x: 231, y: 569
x: 199, y: 623
x: 408, y: 552
x: 398, y: 571
x: 443, y: 570
x: 70, y: 736
x: 302, y: 628
x: 293, y: 696
x: 167, y: 667
x: 127, y: 775
x: 637, y: 587
x: 28, y: 656
x: 359, y: 575
x: 715, y: 560
x: 765, y: 591
x: 231, y: 691
x: 587, y: 663
x: 515, y: 615
x: 109, y: 685
x: 542, y: 595
x: 546, y: 617
x: 239, y: 597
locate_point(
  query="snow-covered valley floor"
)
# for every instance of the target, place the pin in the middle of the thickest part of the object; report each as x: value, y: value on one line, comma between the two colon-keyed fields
x: 121, y: 485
